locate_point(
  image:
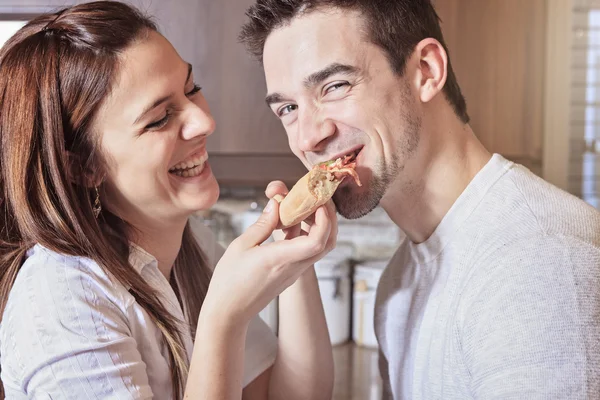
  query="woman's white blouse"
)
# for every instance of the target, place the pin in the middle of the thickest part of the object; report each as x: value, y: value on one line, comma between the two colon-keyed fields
x: 70, y: 331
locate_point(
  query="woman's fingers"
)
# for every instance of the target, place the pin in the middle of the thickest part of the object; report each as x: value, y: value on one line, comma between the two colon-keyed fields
x: 260, y: 231
x: 302, y: 247
x: 320, y: 229
x: 293, y: 231
x: 331, y: 210
x: 332, y: 213
x: 276, y: 188
x: 332, y: 237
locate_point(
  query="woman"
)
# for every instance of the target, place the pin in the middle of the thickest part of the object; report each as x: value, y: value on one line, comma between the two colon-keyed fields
x: 102, y: 162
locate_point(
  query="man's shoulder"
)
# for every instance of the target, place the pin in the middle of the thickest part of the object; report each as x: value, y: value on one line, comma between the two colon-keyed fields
x: 533, y: 233
x: 529, y: 269
x: 523, y: 205
x: 534, y: 251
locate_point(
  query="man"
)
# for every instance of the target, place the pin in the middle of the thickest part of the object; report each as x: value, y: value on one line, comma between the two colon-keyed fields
x: 495, y: 293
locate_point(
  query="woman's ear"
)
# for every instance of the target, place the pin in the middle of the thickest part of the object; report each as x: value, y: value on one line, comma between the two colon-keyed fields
x: 80, y: 175
x: 432, y: 69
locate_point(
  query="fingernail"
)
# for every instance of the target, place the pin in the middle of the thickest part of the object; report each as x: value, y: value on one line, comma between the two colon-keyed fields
x: 268, y: 207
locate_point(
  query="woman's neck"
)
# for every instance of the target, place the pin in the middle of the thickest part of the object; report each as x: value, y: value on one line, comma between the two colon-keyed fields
x: 163, y: 242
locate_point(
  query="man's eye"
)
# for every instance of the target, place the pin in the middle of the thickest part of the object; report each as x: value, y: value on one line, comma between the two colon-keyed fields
x: 286, y: 109
x: 160, y: 123
x: 335, y: 86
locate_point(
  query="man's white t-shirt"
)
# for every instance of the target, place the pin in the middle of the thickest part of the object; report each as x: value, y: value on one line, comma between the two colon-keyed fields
x: 70, y: 332
x: 501, y: 302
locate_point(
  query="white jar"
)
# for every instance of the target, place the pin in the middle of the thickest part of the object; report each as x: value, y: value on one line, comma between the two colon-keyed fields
x: 333, y: 274
x: 366, y: 278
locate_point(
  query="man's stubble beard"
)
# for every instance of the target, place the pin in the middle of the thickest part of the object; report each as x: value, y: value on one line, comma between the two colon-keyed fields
x: 353, y: 203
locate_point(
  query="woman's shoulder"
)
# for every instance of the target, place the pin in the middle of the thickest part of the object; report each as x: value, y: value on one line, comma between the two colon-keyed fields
x: 47, y: 277
x: 61, y: 309
x: 55, y: 291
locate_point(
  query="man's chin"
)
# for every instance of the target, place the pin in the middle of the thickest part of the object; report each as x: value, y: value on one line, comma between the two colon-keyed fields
x: 352, y: 202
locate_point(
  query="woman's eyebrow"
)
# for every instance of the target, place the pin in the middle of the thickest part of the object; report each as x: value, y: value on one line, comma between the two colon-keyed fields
x: 161, y: 100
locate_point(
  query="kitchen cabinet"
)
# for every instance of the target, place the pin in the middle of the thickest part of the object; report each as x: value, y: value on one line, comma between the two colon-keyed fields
x: 497, y: 49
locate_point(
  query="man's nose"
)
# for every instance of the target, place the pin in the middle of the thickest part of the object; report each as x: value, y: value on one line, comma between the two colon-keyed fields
x: 313, y: 133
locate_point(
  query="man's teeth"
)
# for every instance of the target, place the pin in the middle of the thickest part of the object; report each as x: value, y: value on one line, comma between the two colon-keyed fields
x: 191, y: 167
x: 352, y: 155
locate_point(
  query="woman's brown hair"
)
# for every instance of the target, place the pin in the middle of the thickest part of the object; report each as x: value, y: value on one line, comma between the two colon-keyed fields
x: 54, y: 74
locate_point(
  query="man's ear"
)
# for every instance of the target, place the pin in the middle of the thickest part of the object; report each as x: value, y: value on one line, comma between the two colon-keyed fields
x: 80, y: 175
x: 432, y: 68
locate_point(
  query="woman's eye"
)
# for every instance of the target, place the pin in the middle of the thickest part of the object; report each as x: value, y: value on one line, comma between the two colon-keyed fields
x: 286, y: 109
x: 335, y: 86
x: 195, y: 90
x: 160, y: 123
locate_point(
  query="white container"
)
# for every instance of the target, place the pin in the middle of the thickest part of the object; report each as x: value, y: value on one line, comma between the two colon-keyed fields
x: 333, y: 274
x: 366, y: 278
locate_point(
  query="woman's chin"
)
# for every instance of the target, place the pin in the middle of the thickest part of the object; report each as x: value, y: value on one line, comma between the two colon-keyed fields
x: 204, y: 200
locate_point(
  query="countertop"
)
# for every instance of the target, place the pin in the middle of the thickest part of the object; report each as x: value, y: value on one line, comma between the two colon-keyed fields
x: 356, y: 373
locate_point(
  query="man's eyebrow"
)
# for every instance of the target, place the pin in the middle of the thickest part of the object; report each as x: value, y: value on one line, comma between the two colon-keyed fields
x: 275, y: 98
x: 314, y: 79
x: 161, y: 100
x: 332, y: 69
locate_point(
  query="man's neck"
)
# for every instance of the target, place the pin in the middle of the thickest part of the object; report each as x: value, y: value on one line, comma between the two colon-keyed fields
x: 433, y: 180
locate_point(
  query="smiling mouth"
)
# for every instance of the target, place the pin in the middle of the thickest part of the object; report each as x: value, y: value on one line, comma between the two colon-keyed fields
x: 190, y: 168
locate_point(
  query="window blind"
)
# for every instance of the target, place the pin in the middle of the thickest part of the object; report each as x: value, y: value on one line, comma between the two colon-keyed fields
x: 584, y: 122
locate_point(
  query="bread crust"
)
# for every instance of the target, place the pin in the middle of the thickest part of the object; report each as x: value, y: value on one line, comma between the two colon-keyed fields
x: 310, y: 192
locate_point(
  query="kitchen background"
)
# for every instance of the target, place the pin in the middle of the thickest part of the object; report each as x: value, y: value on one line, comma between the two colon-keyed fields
x: 529, y: 70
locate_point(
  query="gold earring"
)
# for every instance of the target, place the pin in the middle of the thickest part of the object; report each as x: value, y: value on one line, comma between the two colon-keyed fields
x: 97, y: 207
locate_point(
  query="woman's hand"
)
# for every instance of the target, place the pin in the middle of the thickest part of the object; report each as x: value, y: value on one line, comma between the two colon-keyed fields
x: 251, y: 274
x: 247, y: 278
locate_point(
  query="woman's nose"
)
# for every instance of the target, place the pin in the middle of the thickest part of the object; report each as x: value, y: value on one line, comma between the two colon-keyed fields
x: 198, y: 122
